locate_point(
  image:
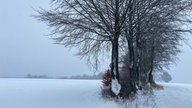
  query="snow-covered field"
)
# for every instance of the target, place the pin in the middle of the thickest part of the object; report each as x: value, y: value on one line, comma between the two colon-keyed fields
x: 59, y: 93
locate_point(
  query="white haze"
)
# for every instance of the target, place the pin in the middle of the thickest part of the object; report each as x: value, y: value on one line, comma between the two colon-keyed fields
x: 26, y: 50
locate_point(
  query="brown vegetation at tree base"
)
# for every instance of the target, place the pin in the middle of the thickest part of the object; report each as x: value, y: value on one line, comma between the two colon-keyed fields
x: 106, y: 91
x: 157, y: 86
x: 107, y: 78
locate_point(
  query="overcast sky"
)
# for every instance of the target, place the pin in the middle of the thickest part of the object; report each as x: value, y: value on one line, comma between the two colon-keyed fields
x: 25, y: 49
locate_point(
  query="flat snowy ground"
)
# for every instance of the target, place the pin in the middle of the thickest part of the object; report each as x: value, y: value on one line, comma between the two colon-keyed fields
x: 59, y: 93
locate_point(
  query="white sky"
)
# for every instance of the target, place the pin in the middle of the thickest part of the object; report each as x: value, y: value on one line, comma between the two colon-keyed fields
x: 24, y: 48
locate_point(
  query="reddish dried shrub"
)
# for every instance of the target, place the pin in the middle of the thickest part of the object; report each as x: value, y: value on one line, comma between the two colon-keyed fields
x: 107, y: 78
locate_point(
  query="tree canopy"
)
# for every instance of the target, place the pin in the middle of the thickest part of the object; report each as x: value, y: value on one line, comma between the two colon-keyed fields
x: 149, y: 31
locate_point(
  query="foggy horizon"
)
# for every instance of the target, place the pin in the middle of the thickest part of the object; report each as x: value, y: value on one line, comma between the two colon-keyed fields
x: 25, y: 48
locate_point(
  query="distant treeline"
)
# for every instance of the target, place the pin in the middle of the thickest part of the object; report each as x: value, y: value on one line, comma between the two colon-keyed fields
x: 37, y: 76
x: 98, y: 76
x: 85, y: 76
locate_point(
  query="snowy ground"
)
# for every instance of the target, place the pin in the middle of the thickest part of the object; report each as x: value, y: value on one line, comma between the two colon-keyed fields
x: 58, y: 93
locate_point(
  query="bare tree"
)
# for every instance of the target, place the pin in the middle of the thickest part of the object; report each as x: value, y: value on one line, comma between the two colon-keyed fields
x: 148, y: 29
x: 164, y: 34
x: 93, y: 26
x: 153, y: 32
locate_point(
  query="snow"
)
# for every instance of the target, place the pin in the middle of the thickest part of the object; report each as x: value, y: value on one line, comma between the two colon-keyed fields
x: 115, y: 86
x: 60, y: 93
x: 175, y: 96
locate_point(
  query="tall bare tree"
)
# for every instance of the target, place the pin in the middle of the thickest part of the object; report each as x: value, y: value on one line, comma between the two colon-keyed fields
x: 92, y: 25
x: 164, y: 34
x: 153, y: 35
x: 100, y: 26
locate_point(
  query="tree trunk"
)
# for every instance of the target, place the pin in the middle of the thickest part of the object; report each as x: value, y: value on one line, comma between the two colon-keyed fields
x: 130, y: 86
x: 132, y: 63
x: 132, y: 66
x: 115, y: 81
x: 115, y: 60
x: 151, y: 80
x: 138, y: 54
